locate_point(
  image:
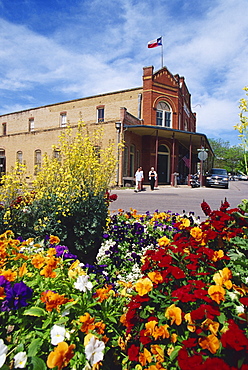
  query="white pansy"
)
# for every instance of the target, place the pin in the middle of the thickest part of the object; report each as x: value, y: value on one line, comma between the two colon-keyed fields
x: 240, y: 309
x: 57, y: 334
x: 20, y: 360
x: 3, y: 352
x: 94, y: 350
x: 105, y: 246
x: 83, y: 283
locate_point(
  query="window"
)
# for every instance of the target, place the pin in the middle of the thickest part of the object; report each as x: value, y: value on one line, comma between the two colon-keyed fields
x: 19, y: 157
x: 4, y: 128
x: 2, y: 162
x: 131, y: 160
x: 125, y: 160
x: 163, y: 117
x: 100, y: 114
x: 97, y: 150
x: 37, y: 161
x: 63, y: 119
x: 56, y: 154
x: 31, y: 124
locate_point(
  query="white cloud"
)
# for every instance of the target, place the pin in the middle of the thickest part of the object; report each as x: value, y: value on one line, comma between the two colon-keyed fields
x: 96, y: 49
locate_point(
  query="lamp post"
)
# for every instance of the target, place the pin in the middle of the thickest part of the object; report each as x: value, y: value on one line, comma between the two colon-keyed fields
x: 202, y: 155
x: 118, y: 130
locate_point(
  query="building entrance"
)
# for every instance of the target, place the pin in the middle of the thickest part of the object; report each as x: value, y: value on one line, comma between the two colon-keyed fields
x: 163, y: 164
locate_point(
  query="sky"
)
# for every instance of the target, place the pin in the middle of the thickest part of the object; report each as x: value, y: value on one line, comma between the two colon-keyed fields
x: 58, y: 50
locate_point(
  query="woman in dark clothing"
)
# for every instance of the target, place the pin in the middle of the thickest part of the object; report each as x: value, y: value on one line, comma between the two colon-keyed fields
x: 152, y: 177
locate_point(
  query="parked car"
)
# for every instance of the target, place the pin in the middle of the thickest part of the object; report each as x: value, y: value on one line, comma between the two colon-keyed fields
x: 242, y: 177
x: 217, y: 177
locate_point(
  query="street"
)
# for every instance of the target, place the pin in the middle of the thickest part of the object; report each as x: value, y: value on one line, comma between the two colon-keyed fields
x: 179, y: 199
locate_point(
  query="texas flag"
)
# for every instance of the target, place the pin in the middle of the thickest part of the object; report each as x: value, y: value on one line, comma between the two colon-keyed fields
x: 155, y: 43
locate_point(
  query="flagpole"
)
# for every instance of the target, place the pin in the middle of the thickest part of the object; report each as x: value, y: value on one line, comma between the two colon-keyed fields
x: 162, y: 54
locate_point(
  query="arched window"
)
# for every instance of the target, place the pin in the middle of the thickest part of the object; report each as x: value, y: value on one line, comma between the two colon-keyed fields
x: 19, y: 157
x: 37, y: 161
x: 163, y: 117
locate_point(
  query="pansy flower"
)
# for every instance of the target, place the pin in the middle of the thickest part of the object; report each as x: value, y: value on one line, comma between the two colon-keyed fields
x: 61, y: 356
x: 175, y: 314
x: 143, y: 286
x: 93, y: 349
x: 53, y: 300
x: 18, y: 295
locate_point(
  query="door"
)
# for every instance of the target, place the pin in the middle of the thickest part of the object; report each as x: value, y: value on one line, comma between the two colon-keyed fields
x: 163, y: 164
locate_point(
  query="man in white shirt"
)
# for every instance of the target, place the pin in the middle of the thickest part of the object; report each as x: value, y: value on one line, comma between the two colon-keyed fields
x: 138, y: 178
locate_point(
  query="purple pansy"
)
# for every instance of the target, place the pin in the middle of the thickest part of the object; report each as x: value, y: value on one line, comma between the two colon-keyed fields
x: 17, y: 296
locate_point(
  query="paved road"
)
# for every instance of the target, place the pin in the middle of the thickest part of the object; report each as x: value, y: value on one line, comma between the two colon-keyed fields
x: 177, y: 199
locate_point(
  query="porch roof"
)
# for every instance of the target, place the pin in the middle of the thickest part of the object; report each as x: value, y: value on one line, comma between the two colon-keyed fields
x: 197, y: 139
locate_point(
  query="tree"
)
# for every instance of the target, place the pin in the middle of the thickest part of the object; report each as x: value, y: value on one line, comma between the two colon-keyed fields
x: 242, y: 127
x: 227, y: 156
x: 68, y: 197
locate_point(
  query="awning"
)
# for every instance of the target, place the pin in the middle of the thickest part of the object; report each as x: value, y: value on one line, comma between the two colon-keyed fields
x: 197, y: 139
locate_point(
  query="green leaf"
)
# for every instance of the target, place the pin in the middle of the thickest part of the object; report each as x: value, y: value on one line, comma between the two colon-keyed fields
x: 34, y: 347
x: 174, y: 353
x: 222, y: 318
x: 35, y: 311
x: 38, y: 364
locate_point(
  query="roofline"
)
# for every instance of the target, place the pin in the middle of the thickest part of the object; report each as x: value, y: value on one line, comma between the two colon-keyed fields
x: 169, y: 129
x: 73, y: 100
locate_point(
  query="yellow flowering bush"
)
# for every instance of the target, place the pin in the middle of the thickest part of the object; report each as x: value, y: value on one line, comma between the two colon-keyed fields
x: 68, y: 195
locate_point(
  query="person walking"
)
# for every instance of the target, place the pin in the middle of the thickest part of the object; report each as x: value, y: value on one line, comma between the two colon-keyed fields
x: 152, y: 175
x: 142, y: 177
x: 138, y: 180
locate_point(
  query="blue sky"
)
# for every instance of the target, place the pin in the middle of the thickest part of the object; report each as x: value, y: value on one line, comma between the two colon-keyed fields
x: 57, y: 50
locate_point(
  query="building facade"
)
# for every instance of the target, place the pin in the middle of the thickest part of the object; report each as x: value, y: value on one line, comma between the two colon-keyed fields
x: 155, y: 123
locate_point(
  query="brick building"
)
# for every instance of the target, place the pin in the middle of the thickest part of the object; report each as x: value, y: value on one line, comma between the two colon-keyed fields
x: 155, y: 121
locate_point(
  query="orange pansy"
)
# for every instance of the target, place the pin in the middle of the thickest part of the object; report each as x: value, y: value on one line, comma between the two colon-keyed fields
x: 2, y: 293
x: 210, y: 342
x: 191, y: 325
x: 143, y: 286
x: 185, y: 222
x: 150, y: 327
x: 210, y: 325
x: 123, y: 320
x: 155, y: 277
x: 48, y: 271
x: 145, y: 357
x: 218, y: 255
x: 163, y: 242
x: 38, y: 261
x: 174, y: 313
x: 53, y: 300
x: 243, y: 290
x: 196, y: 233
x: 23, y: 270
x: 54, y: 239
x: 88, y: 323
x: 51, y: 252
x: 173, y: 338
x: 100, y: 327
x: 217, y: 293
x: 61, y: 356
x: 161, y: 332
x: 9, y: 275
x: 103, y: 293
x: 158, y: 352
x: 223, y: 278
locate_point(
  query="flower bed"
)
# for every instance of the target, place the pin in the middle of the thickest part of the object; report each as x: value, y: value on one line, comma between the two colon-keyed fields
x: 168, y: 292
